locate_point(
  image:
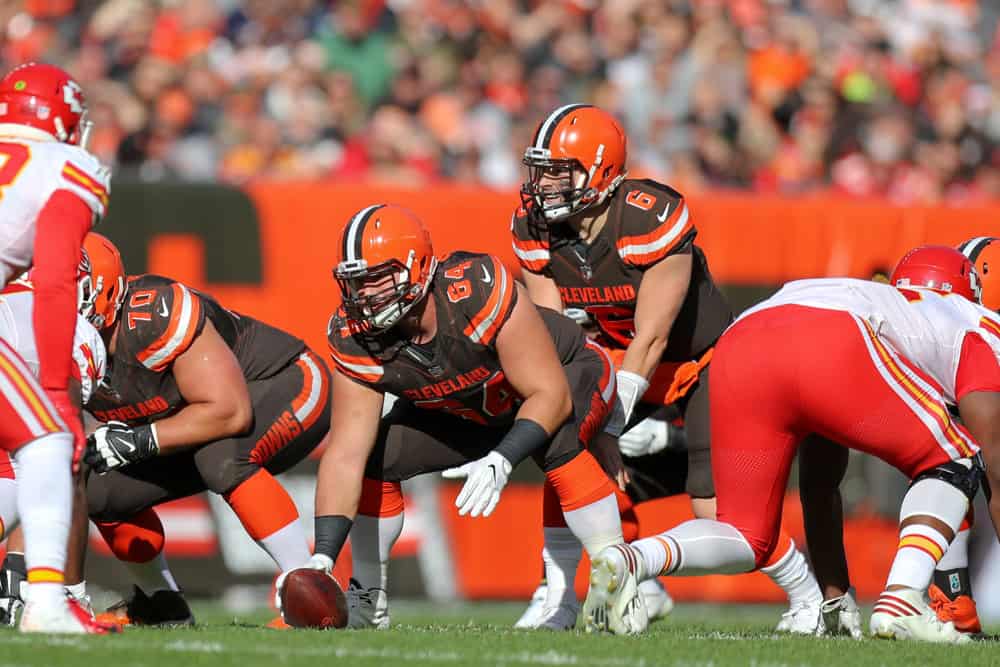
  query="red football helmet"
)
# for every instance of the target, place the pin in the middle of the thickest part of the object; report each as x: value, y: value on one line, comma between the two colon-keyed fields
x: 386, y: 265
x: 46, y: 98
x: 582, y: 146
x: 939, y: 268
x: 100, y: 281
x: 984, y: 253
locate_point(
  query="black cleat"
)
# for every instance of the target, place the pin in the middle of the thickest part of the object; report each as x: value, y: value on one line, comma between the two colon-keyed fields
x: 164, y: 608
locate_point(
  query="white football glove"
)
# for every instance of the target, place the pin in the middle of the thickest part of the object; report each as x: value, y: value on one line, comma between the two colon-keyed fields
x: 485, y: 479
x: 316, y: 562
x: 647, y: 437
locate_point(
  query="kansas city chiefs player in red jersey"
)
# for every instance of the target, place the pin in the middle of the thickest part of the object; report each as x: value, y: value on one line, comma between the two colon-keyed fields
x: 53, y: 191
x: 621, y: 252
x: 866, y: 366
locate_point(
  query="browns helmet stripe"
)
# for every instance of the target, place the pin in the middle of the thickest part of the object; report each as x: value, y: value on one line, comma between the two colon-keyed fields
x: 546, y: 129
x: 355, y: 232
x: 973, y: 247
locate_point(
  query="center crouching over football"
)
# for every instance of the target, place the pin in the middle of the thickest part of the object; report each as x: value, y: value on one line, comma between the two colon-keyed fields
x: 512, y: 333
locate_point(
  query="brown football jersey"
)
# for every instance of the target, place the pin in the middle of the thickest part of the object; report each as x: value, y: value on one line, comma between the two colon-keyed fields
x: 459, y: 370
x: 157, y: 323
x: 647, y: 222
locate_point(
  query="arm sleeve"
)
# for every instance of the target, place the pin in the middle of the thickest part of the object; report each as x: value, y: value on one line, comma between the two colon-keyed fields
x: 978, y: 369
x: 62, y: 224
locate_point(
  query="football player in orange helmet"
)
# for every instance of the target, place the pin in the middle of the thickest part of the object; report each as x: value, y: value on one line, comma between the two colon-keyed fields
x: 197, y: 398
x: 484, y: 380
x: 984, y: 253
x: 620, y: 255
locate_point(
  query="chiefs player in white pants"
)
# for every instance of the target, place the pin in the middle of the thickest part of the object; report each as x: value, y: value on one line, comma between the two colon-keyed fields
x: 867, y: 366
x: 52, y: 193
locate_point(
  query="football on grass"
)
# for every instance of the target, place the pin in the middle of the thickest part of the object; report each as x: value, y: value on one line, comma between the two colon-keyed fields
x: 313, y: 599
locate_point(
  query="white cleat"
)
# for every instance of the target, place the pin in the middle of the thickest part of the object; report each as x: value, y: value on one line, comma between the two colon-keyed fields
x: 659, y: 604
x: 905, y: 614
x: 367, y: 608
x: 613, y: 600
x: 802, y: 618
x: 64, y: 617
x: 562, y: 617
x: 841, y: 617
x: 530, y: 618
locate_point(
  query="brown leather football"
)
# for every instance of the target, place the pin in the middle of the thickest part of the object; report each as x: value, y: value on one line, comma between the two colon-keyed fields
x: 313, y: 599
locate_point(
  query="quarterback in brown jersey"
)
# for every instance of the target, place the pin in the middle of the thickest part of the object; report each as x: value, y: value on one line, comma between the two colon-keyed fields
x: 195, y: 398
x: 622, y: 251
x: 484, y: 380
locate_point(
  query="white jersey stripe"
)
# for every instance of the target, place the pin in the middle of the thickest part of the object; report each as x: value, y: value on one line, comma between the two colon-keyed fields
x: 532, y: 255
x: 488, y: 321
x: 660, y: 243
x: 184, y: 325
x: 315, y: 383
x: 929, y: 420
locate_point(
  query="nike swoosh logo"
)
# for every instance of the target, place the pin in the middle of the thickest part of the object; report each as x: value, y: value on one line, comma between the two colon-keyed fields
x: 666, y: 213
x: 163, y: 309
x: 486, y: 275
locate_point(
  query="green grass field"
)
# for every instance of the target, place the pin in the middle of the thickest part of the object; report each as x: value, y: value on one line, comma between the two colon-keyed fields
x: 479, y: 634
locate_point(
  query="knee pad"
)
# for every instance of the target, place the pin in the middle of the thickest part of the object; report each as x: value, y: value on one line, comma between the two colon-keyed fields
x: 966, y: 475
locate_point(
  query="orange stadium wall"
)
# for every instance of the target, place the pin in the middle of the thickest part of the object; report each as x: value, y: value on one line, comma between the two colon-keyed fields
x: 285, y: 279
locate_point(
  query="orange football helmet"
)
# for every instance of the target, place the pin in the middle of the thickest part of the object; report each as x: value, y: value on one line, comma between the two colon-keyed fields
x: 387, y: 263
x: 100, y: 281
x: 586, y: 148
x: 939, y: 268
x: 984, y: 253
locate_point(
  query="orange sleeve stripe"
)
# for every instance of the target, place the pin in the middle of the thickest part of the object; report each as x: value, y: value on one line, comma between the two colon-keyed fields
x: 79, y: 177
x: 365, y: 369
x: 657, y: 244
x: 179, y: 334
x: 485, y: 325
x: 990, y: 325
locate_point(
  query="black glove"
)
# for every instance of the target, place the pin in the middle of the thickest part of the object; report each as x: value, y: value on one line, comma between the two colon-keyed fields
x: 117, y: 444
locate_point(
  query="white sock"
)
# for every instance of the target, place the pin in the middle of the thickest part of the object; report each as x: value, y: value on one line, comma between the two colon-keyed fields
x: 597, y: 525
x: 287, y: 546
x: 956, y: 556
x: 921, y: 546
x: 793, y: 575
x: 45, y: 504
x: 372, y: 538
x: 153, y: 575
x: 561, y: 556
x: 8, y: 506
x: 694, y: 548
x: 78, y: 591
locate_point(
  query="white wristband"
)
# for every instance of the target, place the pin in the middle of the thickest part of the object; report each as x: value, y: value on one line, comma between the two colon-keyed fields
x: 631, y: 387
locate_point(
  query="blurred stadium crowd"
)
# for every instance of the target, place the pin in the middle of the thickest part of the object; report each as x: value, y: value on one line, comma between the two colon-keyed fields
x: 895, y: 98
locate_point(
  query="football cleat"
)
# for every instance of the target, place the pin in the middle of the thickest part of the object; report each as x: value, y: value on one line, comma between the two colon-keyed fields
x: 961, y: 611
x: 613, y: 602
x: 529, y: 619
x: 278, y: 623
x: 841, y: 617
x: 367, y: 608
x: 164, y: 608
x: 560, y: 617
x: 802, y: 618
x: 659, y: 604
x: 66, y: 618
x: 904, y: 614
x: 12, y: 581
